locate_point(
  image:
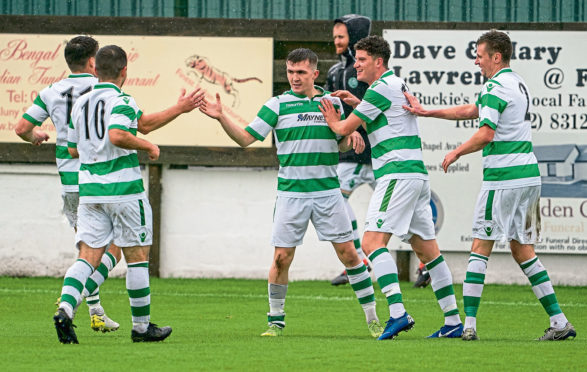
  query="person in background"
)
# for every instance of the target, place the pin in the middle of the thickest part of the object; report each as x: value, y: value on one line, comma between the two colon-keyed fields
x: 353, y: 169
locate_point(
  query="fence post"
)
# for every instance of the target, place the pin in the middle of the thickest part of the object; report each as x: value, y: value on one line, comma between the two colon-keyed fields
x: 180, y: 8
x: 403, y: 265
x: 155, y: 201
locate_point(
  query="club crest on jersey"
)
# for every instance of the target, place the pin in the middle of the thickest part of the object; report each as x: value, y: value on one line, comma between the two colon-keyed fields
x: 353, y: 82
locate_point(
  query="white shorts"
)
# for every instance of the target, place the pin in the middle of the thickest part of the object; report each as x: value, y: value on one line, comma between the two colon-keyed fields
x: 127, y: 224
x: 70, y: 203
x: 508, y: 214
x: 328, y: 215
x: 353, y: 175
x: 402, y: 208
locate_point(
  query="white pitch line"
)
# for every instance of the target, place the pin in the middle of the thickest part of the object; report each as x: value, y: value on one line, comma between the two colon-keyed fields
x: 289, y: 297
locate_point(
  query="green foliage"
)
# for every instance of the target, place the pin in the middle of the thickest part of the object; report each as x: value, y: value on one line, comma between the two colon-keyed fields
x: 217, y: 323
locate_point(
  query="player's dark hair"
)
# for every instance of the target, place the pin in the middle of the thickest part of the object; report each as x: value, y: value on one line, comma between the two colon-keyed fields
x: 78, y: 50
x: 301, y: 55
x: 110, y: 60
x: 497, y: 42
x: 375, y: 46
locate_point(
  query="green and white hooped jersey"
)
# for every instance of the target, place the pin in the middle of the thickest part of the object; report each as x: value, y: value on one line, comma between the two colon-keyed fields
x: 108, y: 174
x: 396, y: 147
x: 508, y: 160
x: 56, y: 101
x: 306, y: 147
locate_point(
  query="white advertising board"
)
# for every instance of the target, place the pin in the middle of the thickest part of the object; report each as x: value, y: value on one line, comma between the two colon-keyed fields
x: 439, y: 69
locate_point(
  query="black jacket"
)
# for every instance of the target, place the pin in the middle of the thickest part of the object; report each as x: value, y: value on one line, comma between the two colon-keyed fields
x: 343, y: 76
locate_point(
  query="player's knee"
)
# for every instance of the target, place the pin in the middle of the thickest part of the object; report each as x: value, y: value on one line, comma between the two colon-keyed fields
x: 347, y: 254
x: 136, y: 254
x: 350, y: 260
x: 371, y: 243
x: 93, y: 256
x: 282, y: 261
x: 115, y: 251
x: 522, y: 252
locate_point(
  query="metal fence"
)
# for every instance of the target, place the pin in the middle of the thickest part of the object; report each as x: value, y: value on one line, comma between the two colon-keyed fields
x: 379, y: 10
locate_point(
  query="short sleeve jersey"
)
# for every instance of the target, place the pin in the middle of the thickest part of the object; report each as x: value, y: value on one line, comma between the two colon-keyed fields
x: 307, y: 149
x: 396, y: 146
x: 56, y: 101
x: 108, y: 174
x: 508, y: 160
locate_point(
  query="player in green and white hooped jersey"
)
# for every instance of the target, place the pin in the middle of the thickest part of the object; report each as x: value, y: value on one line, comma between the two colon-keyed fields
x: 56, y: 101
x: 508, y: 204
x: 113, y: 205
x: 307, y: 187
x: 400, y: 204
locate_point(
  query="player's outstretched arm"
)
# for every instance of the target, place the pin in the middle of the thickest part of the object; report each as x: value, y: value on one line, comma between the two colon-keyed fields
x: 73, y: 152
x: 332, y: 116
x: 353, y: 141
x: 347, y: 97
x: 469, y: 111
x: 126, y: 140
x: 236, y: 133
x: 477, y: 142
x: 30, y: 133
x: 185, y: 103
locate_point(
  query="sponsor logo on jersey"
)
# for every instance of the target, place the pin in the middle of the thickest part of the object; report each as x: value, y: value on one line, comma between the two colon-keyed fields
x: 379, y: 223
x: 311, y: 117
x: 288, y: 105
x: 143, y: 236
x: 488, y: 231
x: 126, y: 100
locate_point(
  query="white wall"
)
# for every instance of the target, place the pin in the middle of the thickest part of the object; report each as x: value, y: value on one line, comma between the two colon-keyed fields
x: 562, y: 269
x: 564, y: 169
x: 581, y: 171
x: 35, y: 237
x: 216, y: 222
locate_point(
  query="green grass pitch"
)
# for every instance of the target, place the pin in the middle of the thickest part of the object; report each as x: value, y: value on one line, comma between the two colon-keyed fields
x: 217, y: 323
